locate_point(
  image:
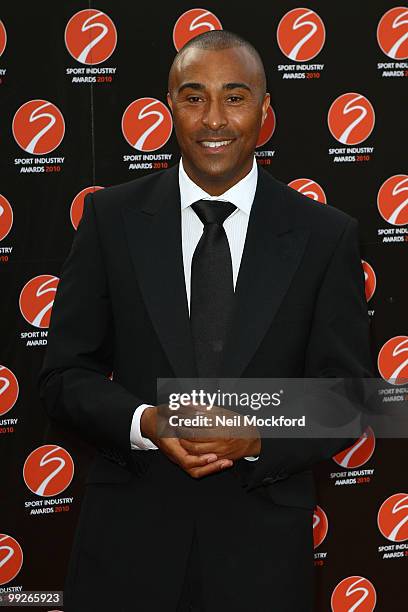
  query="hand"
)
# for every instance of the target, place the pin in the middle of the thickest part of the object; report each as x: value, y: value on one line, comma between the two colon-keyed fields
x: 225, y: 448
x: 239, y: 440
x: 196, y: 465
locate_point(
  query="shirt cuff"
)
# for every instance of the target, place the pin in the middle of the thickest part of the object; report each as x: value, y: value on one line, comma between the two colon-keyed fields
x: 137, y: 441
x: 252, y: 458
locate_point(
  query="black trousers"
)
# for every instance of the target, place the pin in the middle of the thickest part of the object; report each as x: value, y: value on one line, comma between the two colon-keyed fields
x: 191, y: 594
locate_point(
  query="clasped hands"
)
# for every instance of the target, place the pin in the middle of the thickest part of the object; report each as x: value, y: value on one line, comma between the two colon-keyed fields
x: 196, y: 454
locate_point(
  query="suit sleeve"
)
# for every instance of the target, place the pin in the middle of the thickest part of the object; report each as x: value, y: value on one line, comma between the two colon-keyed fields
x: 338, y: 347
x: 74, y: 382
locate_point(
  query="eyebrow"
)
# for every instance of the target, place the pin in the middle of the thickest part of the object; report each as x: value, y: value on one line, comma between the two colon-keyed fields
x: 201, y: 87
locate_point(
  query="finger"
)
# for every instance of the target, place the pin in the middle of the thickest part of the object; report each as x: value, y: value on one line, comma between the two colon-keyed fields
x: 189, y: 461
x: 220, y: 446
x: 214, y: 467
x: 184, y: 458
x: 199, y: 448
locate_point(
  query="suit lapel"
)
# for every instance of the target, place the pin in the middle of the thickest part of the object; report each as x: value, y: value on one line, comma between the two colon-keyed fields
x: 154, y: 237
x: 272, y: 252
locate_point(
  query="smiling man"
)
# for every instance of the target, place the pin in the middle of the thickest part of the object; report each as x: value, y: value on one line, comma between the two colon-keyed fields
x: 209, y: 269
x: 217, y: 120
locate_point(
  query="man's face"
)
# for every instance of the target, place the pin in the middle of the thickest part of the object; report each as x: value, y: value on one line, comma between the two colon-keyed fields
x: 218, y: 107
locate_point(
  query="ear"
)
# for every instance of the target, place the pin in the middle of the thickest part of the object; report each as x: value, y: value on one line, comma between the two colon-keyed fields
x: 169, y: 102
x: 265, y: 105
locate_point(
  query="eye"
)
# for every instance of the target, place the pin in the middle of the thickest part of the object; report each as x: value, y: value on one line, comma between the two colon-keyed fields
x: 235, y: 99
x: 194, y: 99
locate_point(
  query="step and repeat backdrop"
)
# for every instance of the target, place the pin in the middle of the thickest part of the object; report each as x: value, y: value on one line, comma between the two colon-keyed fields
x: 83, y: 99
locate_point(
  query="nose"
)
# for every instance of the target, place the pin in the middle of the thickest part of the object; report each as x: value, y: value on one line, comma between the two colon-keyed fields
x: 214, y: 116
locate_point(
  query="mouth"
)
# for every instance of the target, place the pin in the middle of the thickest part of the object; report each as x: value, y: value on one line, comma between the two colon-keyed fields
x: 215, y: 146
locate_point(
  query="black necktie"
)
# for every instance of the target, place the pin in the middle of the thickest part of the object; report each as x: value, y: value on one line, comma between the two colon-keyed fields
x: 212, y: 289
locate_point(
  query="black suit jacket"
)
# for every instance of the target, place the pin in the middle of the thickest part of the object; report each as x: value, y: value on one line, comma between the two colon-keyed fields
x: 121, y: 307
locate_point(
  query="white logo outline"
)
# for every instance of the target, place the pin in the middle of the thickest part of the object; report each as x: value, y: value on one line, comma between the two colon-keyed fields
x: 348, y: 109
x: 395, y: 24
x: 295, y: 26
x: 150, y: 129
x: 47, y: 128
x: 395, y: 508
x: 395, y: 191
x: 96, y: 40
x: 204, y: 13
x: 40, y: 291
x: 45, y: 459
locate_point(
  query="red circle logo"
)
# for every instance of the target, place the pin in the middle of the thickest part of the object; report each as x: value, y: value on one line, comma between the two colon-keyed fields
x: 90, y: 36
x: 354, y: 593
x: 3, y: 38
x: 11, y: 558
x: 268, y: 128
x: 192, y: 23
x: 392, y: 33
x: 37, y: 298
x: 320, y: 526
x: 351, y: 118
x: 301, y: 34
x: 392, y: 518
x: 38, y: 127
x: 392, y: 199
x: 370, y: 280
x: 77, y: 206
x: 48, y: 470
x: 392, y: 360
x: 359, y: 453
x: 309, y: 188
x: 6, y: 217
x: 8, y: 389
x: 147, y: 124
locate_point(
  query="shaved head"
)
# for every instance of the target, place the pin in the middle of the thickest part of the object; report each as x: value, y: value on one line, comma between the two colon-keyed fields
x: 219, y: 40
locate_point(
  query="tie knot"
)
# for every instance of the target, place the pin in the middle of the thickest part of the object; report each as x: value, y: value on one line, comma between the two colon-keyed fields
x: 213, y: 211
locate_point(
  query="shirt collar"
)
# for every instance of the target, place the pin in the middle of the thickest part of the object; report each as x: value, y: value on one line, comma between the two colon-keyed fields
x: 241, y: 194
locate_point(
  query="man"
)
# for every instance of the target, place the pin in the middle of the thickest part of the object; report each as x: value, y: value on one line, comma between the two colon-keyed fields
x: 198, y: 525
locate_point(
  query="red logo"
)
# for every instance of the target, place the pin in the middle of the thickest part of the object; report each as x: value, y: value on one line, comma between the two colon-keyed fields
x: 38, y: 127
x: 77, y: 206
x: 3, y: 38
x: 6, y: 217
x: 11, y: 558
x: 359, y: 453
x: 301, y: 34
x: 351, y: 118
x: 370, y: 280
x: 90, y: 36
x: 392, y: 33
x: 355, y: 593
x: 37, y: 298
x: 192, y: 23
x: 8, y: 389
x: 320, y: 526
x: 48, y: 470
x: 392, y: 360
x: 268, y: 128
x: 147, y: 124
x: 392, y: 199
x: 392, y: 518
x: 309, y: 188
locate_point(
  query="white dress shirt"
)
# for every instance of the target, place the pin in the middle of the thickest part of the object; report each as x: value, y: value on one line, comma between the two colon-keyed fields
x: 242, y: 196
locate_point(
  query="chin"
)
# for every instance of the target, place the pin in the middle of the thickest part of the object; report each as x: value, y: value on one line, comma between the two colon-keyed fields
x: 216, y: 170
